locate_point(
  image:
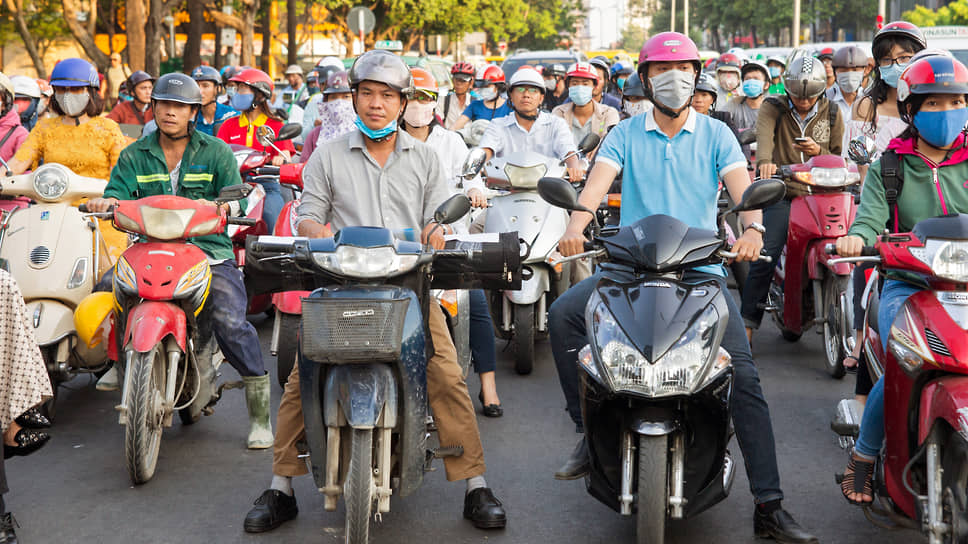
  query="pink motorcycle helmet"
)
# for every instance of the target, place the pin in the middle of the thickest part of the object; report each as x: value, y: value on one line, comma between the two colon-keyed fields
x: 668, y: 47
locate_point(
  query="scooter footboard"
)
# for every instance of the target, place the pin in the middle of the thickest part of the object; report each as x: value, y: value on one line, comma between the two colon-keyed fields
x: 150, y: 322
x: 945, y: 399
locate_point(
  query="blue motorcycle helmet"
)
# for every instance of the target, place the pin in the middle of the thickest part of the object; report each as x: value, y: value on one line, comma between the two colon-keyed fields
x: 74, y: 72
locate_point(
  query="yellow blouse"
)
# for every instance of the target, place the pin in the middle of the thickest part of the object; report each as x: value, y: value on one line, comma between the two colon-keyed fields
x: 89, y: 149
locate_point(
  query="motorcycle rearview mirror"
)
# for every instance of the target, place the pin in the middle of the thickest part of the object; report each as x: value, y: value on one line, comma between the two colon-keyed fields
x: 452, y: 209
x: 473, y: 163
x: 588, y: 143
x: 861, y: 149
x: 761, y: 194
x: 289, y: 131
x: 265, y: 135
x: 747, y: 137
x: 559, y: 193
x: 232, y: 193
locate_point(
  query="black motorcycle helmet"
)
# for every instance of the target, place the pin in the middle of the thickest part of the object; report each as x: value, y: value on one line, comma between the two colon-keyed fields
x: 177, y: 87
x: 633, y: 86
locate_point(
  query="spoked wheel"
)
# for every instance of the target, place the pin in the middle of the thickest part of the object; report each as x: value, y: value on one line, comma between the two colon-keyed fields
x: 523, y: 338
x: 288, y: 345
x: 145, y: 414
x: 833, y: 287
x: 652, y: 493
x: 358, y: 488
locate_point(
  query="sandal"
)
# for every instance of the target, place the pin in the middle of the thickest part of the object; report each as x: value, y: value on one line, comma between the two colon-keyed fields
x: 858, y: 478
x: 853, y: 367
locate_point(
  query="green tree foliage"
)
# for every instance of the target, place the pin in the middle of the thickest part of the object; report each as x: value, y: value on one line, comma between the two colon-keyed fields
x: 955, y: 13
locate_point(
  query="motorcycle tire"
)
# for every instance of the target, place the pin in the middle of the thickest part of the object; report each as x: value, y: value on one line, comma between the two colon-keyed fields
x: 523, y: 338
x: 789, y: 335
x: 652, y: 492
x: 145, y: 414
x: 358, y: 488
x: 832, y: 287
x: 288, y: 346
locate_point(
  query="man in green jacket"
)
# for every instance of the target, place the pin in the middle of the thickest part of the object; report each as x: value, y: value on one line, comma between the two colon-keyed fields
x: 179, y: 160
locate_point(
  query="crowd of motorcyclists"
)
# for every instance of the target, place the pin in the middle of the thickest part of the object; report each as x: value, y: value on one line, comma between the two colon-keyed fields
x: 384, y: 145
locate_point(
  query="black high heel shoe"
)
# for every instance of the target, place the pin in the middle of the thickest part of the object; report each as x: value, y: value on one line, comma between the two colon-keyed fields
x: 33, y: 419
x: 28, y: 441
x: 490, y: 410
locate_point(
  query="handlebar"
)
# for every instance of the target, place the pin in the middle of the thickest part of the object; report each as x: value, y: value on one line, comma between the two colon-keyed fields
x: 244, y: 221
x: 104, y: 215
x: 732, y: 255
x: 266, y: 171
x: 866, y: 251
x: 275, y: 244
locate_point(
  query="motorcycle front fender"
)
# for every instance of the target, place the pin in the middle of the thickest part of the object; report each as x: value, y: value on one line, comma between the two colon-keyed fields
x: 289, y: 302
x: 943, y: 399
x: 531, y: 288
x: 150, y: 322
x: 52, y: 320
x: 653, y: 428
x: 362, y: 393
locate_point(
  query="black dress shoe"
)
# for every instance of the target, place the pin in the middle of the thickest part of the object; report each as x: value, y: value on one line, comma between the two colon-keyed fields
x: 33, y: 419
x: 577, y: 465
x: 272, y: 509
x: 7, y: 523
x: 781, y: 527
x: 484, y: 510
x: 490, y: 410
x: 28, y: 441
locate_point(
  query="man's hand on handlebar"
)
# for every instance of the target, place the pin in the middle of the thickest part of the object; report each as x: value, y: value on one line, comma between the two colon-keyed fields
x: 478, y: 200
x: 279, y: 160
x: 576, y: 175
x: 849, y: 246
x: 748, y: 246
x: 571, y: 243
x: 100, y: 205
x: 433, y: 235
x: 767, y: 170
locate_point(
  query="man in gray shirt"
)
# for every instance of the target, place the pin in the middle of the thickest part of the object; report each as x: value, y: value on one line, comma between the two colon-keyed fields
x: 380, y: 176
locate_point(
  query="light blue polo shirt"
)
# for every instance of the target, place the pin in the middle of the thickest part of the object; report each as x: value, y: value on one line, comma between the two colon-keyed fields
x: 678, y: 177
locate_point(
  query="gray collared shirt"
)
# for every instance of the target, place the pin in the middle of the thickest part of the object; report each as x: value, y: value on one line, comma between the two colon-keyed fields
x: 343, y: 185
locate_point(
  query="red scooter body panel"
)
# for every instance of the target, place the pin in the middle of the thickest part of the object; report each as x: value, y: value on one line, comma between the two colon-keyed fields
x: 289, y: 302
x: 945, y: 399
x: 158, y: 267
x: 150, y: 322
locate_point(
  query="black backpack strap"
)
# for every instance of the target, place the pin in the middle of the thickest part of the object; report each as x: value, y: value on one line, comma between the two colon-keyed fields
x: 447, y: 102
x: 892, y: 176
x: 8, y: 135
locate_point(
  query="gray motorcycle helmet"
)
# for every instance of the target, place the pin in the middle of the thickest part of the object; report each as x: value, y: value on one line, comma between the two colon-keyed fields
x: 382, y: 67
x: 177, y: 87
x: 805, y: 77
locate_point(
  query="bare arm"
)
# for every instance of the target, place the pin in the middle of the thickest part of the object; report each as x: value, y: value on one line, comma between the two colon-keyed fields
x: 312, y: 229
x: 463, y: 120
x: 596, y: 187
x: 750, y: 241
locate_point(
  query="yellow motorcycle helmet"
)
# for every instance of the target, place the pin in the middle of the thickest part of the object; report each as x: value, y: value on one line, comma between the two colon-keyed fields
x: 90, y: 318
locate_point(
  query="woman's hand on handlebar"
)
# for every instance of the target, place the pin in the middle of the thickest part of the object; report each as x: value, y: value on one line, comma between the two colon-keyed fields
x: 100, y: 205
x: 850, y: 246
x: 478, y: 200
x: 571, y: 243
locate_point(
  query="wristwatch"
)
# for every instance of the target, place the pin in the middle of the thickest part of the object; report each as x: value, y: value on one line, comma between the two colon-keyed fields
x: 757, y: 227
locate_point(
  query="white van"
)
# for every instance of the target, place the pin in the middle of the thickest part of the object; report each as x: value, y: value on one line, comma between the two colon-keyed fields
x: 952, y: 38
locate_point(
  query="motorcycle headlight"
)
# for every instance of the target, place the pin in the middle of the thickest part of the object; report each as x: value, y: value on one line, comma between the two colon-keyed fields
x: 679, y: 371
x: 125, y: 281
x: 365, y: 262
x: 947, y: 259
x: 524, y: 177
x: 50, y: 181
x: 826, y: 177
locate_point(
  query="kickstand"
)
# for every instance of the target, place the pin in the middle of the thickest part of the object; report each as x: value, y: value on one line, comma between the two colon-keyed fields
x: 210, y: 407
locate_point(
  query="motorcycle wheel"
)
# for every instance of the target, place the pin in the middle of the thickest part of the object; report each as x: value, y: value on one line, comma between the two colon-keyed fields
x: 288, y: 346
x: 523, y: 338
x: 652, y: 492
x: 832, y: 287
x: 358, y: 488
x: 789, y: 335
x: 145, y: 414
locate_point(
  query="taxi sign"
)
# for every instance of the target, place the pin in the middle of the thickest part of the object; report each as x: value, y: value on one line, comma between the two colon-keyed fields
x: 389, y: 45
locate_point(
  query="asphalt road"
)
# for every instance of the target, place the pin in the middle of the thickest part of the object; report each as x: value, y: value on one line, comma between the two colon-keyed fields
x: 76, y: 489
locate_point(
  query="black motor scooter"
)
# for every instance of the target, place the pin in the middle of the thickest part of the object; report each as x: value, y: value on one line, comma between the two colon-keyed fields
x: 655, y: 383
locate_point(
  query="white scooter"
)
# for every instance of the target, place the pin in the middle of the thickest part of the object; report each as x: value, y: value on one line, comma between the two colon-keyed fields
x: 56, y: 255
x: 522, y: 315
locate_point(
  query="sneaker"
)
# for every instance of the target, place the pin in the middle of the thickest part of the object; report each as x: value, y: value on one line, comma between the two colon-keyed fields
x: 109, y: 381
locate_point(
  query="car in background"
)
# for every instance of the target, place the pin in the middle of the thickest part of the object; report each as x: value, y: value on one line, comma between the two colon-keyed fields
x: 952, y: 38
x: 543, y: 58
x: 763, y: 53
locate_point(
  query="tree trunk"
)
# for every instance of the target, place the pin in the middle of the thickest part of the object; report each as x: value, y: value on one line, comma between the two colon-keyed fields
x: 243, y: 25
x: 154, y: 33
x: 86, y: 40
x: 192, y: 56
x: 135, y: 19
x: 248, y: 37
x: 112, y: 21
x: 16, y: 9
x: 292, y: 46
x: 217, y: 56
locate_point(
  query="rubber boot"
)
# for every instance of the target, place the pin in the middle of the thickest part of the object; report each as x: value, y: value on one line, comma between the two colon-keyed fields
x: 257, y: 401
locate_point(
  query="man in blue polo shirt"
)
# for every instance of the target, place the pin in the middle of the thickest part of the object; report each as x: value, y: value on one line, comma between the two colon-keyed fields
x: 673, y: 161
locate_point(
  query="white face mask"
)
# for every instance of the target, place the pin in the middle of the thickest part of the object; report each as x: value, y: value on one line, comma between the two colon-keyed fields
x: 635, y: 108
x: 72, y: 104
x: 487, y: 93
x: 849, y: 82
x: 419, y: 114
x: 673, y: 88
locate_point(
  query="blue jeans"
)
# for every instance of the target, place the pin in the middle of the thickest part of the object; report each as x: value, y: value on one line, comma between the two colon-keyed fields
x: 482, y: 334
x: 751, y: 414
x: 272, y: 204
x: 871, y: 436
x: 776, y: 219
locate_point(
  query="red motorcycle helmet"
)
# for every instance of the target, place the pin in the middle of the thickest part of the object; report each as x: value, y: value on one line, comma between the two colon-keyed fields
x: 257, y: 79
x: 489, y: 75
x: 462, y: 67
x: 669, y: 47
x: 729, y: 61
x: 937, y: 74
x: 583, y: 70
x: 902, y: 29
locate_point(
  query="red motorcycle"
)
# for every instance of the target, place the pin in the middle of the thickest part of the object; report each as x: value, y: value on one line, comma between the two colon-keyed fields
x: 921, y: 477
x: 807, y: 287
x: 160, y: 287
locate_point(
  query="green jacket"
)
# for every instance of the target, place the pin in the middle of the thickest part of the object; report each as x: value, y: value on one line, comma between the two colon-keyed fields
x: 206, y: 167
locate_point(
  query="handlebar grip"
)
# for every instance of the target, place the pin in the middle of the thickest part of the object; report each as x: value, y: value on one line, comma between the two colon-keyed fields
x: 83, y: 208
x: 589, y: 246
x: 267, y: 171
x: 244, y: 221
x: 869, y: 251
x: 830, y: 249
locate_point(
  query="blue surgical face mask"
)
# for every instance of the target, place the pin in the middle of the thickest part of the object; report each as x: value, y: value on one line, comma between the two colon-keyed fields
x: 620, y: 83
x: 242, y: 102
x: 376, y: 134
x: 580, y: 94
x: 940, y: 128
x: 752, y: 88
x: 891, y: 74
x: 775, y: 72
